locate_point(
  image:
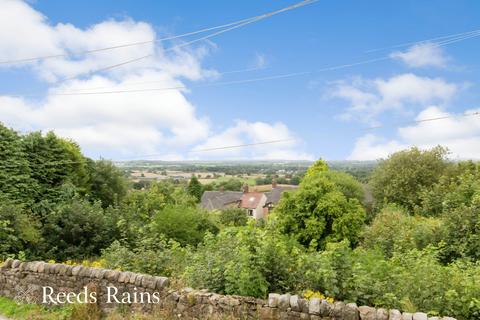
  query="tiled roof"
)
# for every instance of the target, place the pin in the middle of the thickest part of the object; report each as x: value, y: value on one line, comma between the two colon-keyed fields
x: 250, y: 200
x: 212, y: 200
x: 275, y: 194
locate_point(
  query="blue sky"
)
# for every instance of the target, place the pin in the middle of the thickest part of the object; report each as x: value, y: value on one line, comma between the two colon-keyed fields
x: 325, y: 113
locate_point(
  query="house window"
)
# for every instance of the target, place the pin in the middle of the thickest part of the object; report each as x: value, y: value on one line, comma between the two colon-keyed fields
x: 250, y: 212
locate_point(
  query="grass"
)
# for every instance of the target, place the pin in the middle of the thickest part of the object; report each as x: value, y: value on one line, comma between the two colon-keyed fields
x: 14, y: 311
x: 9, y: 308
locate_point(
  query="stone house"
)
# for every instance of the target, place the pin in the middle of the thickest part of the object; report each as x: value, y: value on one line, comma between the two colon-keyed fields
x: 256, y: 204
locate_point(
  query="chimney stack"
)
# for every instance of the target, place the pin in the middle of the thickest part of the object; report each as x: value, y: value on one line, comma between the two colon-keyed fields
x: 245, y: 187
x: 274, y: 183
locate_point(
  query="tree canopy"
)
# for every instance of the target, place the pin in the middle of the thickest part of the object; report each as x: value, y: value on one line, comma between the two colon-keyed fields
x: 319, y: 212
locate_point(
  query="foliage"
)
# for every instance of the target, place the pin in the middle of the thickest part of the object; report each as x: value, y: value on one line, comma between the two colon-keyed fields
x: 245, y: 260
x: 136, y: 210
x: 18, y: 231
x: 15, y: 175
x: 13, y: 310
x: 186, y: 225
x: 462, y: 232
x: 309, y: 294
x: 318, y: 211
x: 402, y: 177
x: 159, y: 257
x: 346, y: 184
x: 410, y: 281
x: 393, y: 230
x: 77, y: 229
x: 195, y: 188
x: 107, y: 183
x: 231, y: 184
x: 233, y: 217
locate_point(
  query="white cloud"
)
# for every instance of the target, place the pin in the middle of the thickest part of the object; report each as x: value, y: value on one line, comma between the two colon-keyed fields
x: 244, y: 132
x: 401, y: 93
x: 126, y: 124
x: 117, y: 125
x: 460, y: 134
x: 422, y: 55
x: 34, y: 36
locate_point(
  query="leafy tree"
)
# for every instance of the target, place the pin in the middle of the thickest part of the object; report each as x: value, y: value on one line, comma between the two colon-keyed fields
x: 318, y: 212
x: 19, y: 231
x: 231, y: 184
x: 233, y: 217
x: 53, y: 162
x: 462, y: 232
x: 402, y: 177
x: 455, y: 188
x: 107, y: 183
x: 195, y: 188
x: 78, y: 229
x: 185, y: 225
x: 393, y: 230
x: 15, y: 179
x: 347, y: 184
x: 136, y: 210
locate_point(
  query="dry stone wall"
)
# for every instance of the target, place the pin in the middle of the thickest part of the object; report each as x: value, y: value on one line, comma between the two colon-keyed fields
x: 26, y: 281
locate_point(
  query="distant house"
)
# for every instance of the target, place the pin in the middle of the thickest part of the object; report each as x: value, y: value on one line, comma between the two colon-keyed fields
x: 253, y: 203
x: 256, y: 204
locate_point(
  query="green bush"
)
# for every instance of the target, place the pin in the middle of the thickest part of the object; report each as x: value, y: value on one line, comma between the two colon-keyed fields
x: 185, y: 225
x: 393, y: 230
x: 159, y: 257
x: 233, y: 217
x: 244, y: 260
x: 77, y: 229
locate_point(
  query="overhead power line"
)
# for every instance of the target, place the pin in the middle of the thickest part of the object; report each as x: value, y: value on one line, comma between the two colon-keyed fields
x: 447, y: 40
x: 442, y: 39
x: 430, y: 119
x: 217, y: 33
x: 241, y: 145
x: 125, y: 45
x: 242, y: 81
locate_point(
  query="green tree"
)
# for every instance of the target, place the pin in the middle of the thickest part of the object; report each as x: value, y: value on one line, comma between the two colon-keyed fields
x: 185, y: 225
x: 107, y: 182
x: 19, y: 231
x: 233, y: 217
x: 53, y: 162
x: 402, y: 177
x: 393, y: 230
x: 78, y: 229
x: 346, y: 184
x: 318, y: 212
x: 137, y: 208
x: 15, y: 175
x: 195, y: 188
x: 462, y: 232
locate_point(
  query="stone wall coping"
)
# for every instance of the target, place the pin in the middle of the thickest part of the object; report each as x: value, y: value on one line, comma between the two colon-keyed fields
x: 141, y: 280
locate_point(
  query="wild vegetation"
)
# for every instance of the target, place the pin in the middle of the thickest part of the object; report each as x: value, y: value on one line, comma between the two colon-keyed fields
x: 415, y: 249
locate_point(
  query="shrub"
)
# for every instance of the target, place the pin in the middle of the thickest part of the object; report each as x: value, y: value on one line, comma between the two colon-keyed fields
x: 185, y: 225
x: 162, y: 257
x: 233, y: 217
x: 244, y: 260
x: 393, y: 230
